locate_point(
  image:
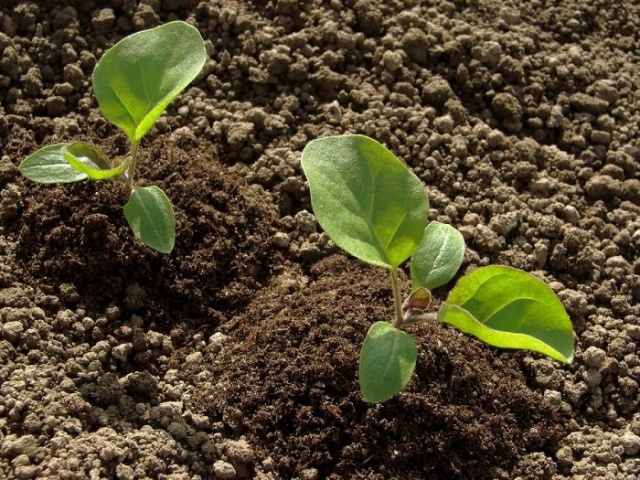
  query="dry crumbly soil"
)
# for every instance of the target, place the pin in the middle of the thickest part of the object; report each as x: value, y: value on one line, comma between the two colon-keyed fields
x: 236, y: 355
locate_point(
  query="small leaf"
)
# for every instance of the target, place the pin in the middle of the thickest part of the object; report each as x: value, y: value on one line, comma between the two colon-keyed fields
x: 137, y: 78
x: 365, y: 198
x: 438, y: 256
x: 509, y: 308
x: 150, y: 216
x: 387, y: 360
x: 415, y: 306
x: 419, y: 299
x: 89, y: 159
x: 48, y: 165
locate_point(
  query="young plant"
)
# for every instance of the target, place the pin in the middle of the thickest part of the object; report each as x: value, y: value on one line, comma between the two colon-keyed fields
x: 375, y: 208
x: 134, y: 81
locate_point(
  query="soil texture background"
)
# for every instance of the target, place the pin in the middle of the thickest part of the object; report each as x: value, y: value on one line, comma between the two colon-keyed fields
x: 236, y: 355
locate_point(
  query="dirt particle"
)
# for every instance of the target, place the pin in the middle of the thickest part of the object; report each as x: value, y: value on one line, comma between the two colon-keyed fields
x: 603, y: 187
x: 488, y: 53
x: 103, y: 20
x: 416, y: 43
x: 223, y: 469
x: 507, y: 107
x: 587, y: 103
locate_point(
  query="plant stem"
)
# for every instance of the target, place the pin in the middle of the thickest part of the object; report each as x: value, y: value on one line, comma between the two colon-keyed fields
x: 131, y: 169
x: 396, y: 297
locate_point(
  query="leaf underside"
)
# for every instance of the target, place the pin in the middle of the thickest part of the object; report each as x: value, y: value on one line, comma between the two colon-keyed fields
x: 365, y: 198
x: 387, y: 360
x: 151, y: 218
x: 438, y: 257
x: 48, y: 165
x: 509, y: 308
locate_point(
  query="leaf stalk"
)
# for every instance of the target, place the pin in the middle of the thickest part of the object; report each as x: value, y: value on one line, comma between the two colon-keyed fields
x: 396, y: 297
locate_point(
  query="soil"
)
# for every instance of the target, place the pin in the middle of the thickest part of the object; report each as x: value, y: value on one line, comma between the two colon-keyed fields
x: 236, y: 355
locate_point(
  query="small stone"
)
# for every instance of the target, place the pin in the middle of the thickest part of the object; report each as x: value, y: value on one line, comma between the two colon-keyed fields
x: 504, y: 224
x: 631, y: 190
x: 416, y: 45
x: 195, y: 357
x: 565, y: 456
x: 239, y: 134
x: 437, y: 91
x: 121, y: 352
x: 586, y: 103
x: 631, y: 443
x: 103, y: 20
x: 592, y: 378
x: 12, y: 446
x: 601, y: 137
x: 392, y: 60
x: 145, y: 17
x: 488, y: 53
x: 496, y: 139
x: 444, y: 124
x: 309, y: 474
x: 281, y: 240
x: 606, y: 90
x: 223, y: 469
x: 507, y: 107
x: 56, y: 106
x: 12, y: 331
x: 593, y: 357
x: 571, y: 214
x: 603, y: 187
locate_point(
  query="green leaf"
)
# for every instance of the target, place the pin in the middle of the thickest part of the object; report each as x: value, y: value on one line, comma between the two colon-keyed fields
x: 137, y: 78
x: 387, y: 360
x: 438, y: 256
x: 509, y: 308
x: 150, y: 216
x: 48, y: 165
x: 89, y: 159
x: 365, y: 198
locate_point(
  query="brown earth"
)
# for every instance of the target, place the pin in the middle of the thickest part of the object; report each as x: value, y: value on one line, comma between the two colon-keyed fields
x: 236, y: 355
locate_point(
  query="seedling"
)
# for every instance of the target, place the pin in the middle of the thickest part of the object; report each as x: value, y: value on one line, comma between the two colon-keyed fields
x: 134, y: 81
x: 375, y: 208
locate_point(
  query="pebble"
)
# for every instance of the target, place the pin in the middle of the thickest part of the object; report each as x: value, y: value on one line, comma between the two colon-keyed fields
x: 12, y: 331
x: 603, y: 187
x: 223, y: 469
x: 437, y: 91
x: 416, y: 45
x: 593, y: 357
x: 631, y: 443
x: 587, y: 103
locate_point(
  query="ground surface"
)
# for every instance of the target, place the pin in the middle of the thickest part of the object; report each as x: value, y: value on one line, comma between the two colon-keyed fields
x: 235, y: 356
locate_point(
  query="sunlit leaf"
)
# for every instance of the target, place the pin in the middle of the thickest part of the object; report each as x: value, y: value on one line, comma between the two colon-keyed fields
x: 137, y: 78
x: 509, y: 308
x: 365, y: 198
x: 89, y: 159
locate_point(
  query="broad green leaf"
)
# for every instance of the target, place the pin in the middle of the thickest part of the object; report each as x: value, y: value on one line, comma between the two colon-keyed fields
x: 387, y: 360
x: 137, y: 78
x: 89, y: 159
x: 150, y: 216
x: 48, y: 165
x: 365, y: 198
x: 509, y: 308
x: 438, y: 256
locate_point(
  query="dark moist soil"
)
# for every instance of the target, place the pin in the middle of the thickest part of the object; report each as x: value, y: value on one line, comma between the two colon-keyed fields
x: 236, y: 355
